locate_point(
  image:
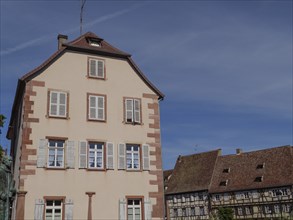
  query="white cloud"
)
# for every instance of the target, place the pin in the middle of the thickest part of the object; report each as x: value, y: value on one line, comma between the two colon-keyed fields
x: 46, y: 38
x: 24, y: 45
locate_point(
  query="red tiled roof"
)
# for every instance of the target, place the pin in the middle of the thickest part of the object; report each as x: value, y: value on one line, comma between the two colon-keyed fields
x: 192, y: 172
x: 81, y: 44
x: 246, y: 167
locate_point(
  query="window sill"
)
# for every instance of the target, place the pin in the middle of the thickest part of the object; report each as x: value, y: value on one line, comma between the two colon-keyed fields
x: 96, y: 120
x: 95, y: 169
x: 55, y: 168
x: 132, y: 123
x: 128, y: 170
x: 94, y: 77
x: 57, y: 117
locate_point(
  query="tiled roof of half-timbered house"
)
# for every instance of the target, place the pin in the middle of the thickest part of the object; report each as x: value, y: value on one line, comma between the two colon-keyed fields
x: 192, y: 173
x: 253, y: 170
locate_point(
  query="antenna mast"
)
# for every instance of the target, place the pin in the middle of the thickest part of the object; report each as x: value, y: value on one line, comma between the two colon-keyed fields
x: 81, y: 13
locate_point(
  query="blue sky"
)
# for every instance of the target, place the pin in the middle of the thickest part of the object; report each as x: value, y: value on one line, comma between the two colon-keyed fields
x: 224, y: 66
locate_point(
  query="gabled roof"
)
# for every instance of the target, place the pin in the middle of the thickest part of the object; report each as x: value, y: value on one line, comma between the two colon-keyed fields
x: 192, y: 173
x: 253, y: 170
x: 81, y: 45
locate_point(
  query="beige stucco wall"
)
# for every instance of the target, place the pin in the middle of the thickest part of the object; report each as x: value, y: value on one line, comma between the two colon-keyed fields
x: 69, y: 73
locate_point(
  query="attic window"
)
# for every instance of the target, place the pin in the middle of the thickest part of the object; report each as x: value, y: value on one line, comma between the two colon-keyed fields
x: 224, y: 183
x: 260, y: 166
x: 258, y: 179
x: 226, y: 170
x: 94, y: 43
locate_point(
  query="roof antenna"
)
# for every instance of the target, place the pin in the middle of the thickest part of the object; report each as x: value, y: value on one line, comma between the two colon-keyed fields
x: 82, y: 2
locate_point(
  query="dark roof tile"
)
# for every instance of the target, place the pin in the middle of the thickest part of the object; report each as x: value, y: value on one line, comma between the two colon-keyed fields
x: 246, y: 172
x: 192, y: 172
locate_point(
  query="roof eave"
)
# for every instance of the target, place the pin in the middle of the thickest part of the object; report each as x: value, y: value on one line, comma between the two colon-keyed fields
x: 185, y: 192
x: 94, y: 51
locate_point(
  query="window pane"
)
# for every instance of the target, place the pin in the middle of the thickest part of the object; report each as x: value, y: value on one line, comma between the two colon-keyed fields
x: 54, y: 97
x: 129, y: 164
x: 135, y: 164
x: 49, y: 202
x: 52, y: 143
x: 100, y: 146
x: 93, y: 113
x: 91, y: 162
x: 51, y: 152
x: 62, y: 98
x: 60, y: 152
x: 60, y: 143
x: 58, y: 203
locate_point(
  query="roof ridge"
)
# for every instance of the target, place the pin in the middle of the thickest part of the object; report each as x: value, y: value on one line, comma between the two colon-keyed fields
x: 256, y: 151
x: 206, y: 152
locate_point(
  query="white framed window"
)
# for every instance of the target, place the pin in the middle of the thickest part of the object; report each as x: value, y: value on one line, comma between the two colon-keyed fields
x: 132, y: 157
x: 132, y: 108
x: 96, y: 155
x: 54, y: 210
x: 175, y: 212
x: 248, y: 210
x: 96, y: 107
x: 286, y: 208
x: 183, y: 212
x: 192, y: 211
x: 279, y: 192
x: 239, y: 211
x: 267, y: 209
x: 201, y: 210
x: 200, y: 196
x: 238, y: 195
x: 255, y: 194
x: 58, y: 104
x: 226, y: 196
x: 96, y: 68
x: 134, y: 209
x: 277, y: 208
x: 246, y: 195
x: 56, y: 153
x: 217, y: 197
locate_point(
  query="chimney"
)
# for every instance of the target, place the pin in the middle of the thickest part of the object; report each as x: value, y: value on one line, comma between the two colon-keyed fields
x: 179, y: 159
x: 238, y: 151
x: 61, y: 40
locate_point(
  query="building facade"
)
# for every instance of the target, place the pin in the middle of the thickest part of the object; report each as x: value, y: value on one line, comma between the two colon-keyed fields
x: 254, y: 185
x: 186, y: 191
x: 85, y: 136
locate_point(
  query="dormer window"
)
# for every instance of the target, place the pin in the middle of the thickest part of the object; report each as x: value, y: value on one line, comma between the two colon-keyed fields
x: 226, y: 170
x: 260, y: 166
x: 94, y: 42
x: 258, y: 179
x: 224, y: 183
